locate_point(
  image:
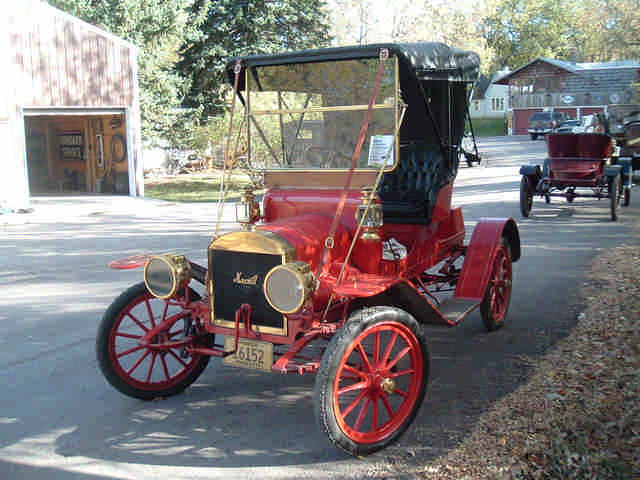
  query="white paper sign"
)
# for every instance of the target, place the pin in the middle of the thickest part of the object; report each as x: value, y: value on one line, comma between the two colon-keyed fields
x: 380, y: 149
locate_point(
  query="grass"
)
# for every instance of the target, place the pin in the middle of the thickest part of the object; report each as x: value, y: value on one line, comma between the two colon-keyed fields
x: 193, y: 187
x: 488, y: 127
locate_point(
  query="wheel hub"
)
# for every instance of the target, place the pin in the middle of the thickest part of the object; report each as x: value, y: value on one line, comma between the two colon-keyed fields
x: 388, y: 386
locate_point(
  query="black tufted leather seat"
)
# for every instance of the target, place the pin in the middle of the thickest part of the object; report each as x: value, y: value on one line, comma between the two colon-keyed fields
x: 409, y: 192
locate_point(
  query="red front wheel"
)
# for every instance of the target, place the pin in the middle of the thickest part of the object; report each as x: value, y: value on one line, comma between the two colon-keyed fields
x: 144, y: 366
x: 495, y: 304
x: 372, y: 380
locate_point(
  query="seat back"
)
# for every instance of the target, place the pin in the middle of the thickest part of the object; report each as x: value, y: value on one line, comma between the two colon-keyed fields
x: 577, y: 156
x: 409, y: 192
x: 584, y: 146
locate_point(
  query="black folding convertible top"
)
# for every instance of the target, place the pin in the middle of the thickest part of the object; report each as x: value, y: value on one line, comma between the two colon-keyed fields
x: 423, y: 61
x: 434, y: 83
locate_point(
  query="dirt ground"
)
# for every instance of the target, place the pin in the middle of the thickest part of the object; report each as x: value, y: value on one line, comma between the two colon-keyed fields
x: 578, y: 415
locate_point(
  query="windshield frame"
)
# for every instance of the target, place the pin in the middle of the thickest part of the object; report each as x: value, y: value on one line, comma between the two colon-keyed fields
x: 342, y: 108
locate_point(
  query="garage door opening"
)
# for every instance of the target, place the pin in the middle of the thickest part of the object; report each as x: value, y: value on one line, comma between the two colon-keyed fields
x: 75, y: 154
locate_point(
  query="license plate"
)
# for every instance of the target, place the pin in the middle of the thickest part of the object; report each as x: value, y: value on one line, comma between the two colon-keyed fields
x: 251, y: 354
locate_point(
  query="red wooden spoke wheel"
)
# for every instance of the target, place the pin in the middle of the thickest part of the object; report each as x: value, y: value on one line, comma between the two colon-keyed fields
x: 372, y: 379
x: 495, y: 304
x: 153, y: 368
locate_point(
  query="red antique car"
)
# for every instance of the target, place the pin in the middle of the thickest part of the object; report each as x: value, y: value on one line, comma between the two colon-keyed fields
x: 354, y: 247
x: 578, y: 165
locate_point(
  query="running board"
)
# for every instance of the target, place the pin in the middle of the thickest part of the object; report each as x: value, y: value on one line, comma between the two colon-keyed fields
x: 405, y: 296
x: 455, y: 309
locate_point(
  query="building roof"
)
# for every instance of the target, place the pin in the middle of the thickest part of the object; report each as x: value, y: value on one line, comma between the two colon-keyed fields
x: 572, y: 67
x: 87, y: 26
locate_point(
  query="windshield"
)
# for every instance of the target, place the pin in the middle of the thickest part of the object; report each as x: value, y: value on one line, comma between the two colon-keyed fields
x: 540, y: 116
x: 309, y: 115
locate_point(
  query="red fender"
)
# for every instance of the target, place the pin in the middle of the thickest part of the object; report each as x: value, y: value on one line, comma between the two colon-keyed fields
x: 481, y: 253
x: 134, y: 261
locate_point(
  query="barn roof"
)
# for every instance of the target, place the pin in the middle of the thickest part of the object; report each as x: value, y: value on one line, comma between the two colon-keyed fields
x: 572, y: 67
x: 88, y: 26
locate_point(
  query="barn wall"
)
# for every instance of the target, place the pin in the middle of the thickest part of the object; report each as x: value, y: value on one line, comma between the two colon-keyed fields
x: 54, y: 62
x: 63, y: 63
x: 521, y: 116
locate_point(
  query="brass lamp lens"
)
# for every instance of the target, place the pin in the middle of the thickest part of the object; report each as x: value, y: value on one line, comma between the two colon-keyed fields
x: 159, y: 277
x: 287, y: 287
x: 164, y: 275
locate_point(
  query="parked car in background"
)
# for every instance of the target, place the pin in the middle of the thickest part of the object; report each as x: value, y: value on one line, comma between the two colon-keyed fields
x: 568, y: 126
x: 543, y: 123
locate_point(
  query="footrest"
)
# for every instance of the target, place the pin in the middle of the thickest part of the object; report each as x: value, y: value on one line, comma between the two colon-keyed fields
x: 455, y: 309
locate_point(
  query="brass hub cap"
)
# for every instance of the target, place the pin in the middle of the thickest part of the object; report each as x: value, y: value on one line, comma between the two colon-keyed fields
x: 388, y: 386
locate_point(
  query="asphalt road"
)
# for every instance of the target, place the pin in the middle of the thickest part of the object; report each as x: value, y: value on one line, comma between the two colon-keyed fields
x: 59, y: 419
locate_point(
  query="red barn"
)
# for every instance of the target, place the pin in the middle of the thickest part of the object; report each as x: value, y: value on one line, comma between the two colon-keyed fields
x: 575, y: 88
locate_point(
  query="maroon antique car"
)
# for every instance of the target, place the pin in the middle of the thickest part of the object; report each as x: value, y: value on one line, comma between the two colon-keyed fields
x: 353, y: 248
x: 578, y: 165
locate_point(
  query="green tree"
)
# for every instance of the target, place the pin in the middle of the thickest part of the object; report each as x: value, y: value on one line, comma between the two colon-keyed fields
x: 222, y: 29
x: 157, y: 27
x: 608, y: 30
x: 521, y: 30
x: 364, y: 21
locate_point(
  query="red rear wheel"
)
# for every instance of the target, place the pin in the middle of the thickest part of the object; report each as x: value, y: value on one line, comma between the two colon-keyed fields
x: 153, y: 369
x: 372, y: 380
x: 495, y: 304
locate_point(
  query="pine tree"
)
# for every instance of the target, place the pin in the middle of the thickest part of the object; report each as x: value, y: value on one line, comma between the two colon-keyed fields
x: 222, y: 29
x: 157, y: 28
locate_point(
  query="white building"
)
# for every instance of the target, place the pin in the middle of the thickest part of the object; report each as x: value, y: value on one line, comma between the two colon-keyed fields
x: 495, y: 102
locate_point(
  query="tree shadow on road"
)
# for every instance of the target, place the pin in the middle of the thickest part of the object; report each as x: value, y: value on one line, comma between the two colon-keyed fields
x: 234, y: 418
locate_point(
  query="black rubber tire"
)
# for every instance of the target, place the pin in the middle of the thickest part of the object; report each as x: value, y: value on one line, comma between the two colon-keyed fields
x: 109, y: 320
x: 533, y: 136
x: 488, y: 319
x: 614, y: 197
x: 526, y: 197
x: 626, y: 197
x: 332, y: 358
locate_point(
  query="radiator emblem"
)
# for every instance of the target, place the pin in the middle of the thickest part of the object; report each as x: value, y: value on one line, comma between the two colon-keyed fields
x: 239, y: 279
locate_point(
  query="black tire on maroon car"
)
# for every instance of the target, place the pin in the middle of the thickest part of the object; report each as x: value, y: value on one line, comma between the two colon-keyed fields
x: 139, y: 371
x: 495, y: 304
x: 614, y: 197
x: 526, y: 197
x: 626, y: 198
x: 372, y: 379
x: 570, y: 196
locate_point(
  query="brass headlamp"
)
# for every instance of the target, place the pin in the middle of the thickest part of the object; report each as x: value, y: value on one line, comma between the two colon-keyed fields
x: 289, y: 286
x: 373, y: 219
x: 248, y: 209
x: 165, y: 275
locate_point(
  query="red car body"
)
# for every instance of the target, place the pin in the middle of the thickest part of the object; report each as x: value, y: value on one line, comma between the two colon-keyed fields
x: 353, y: 259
